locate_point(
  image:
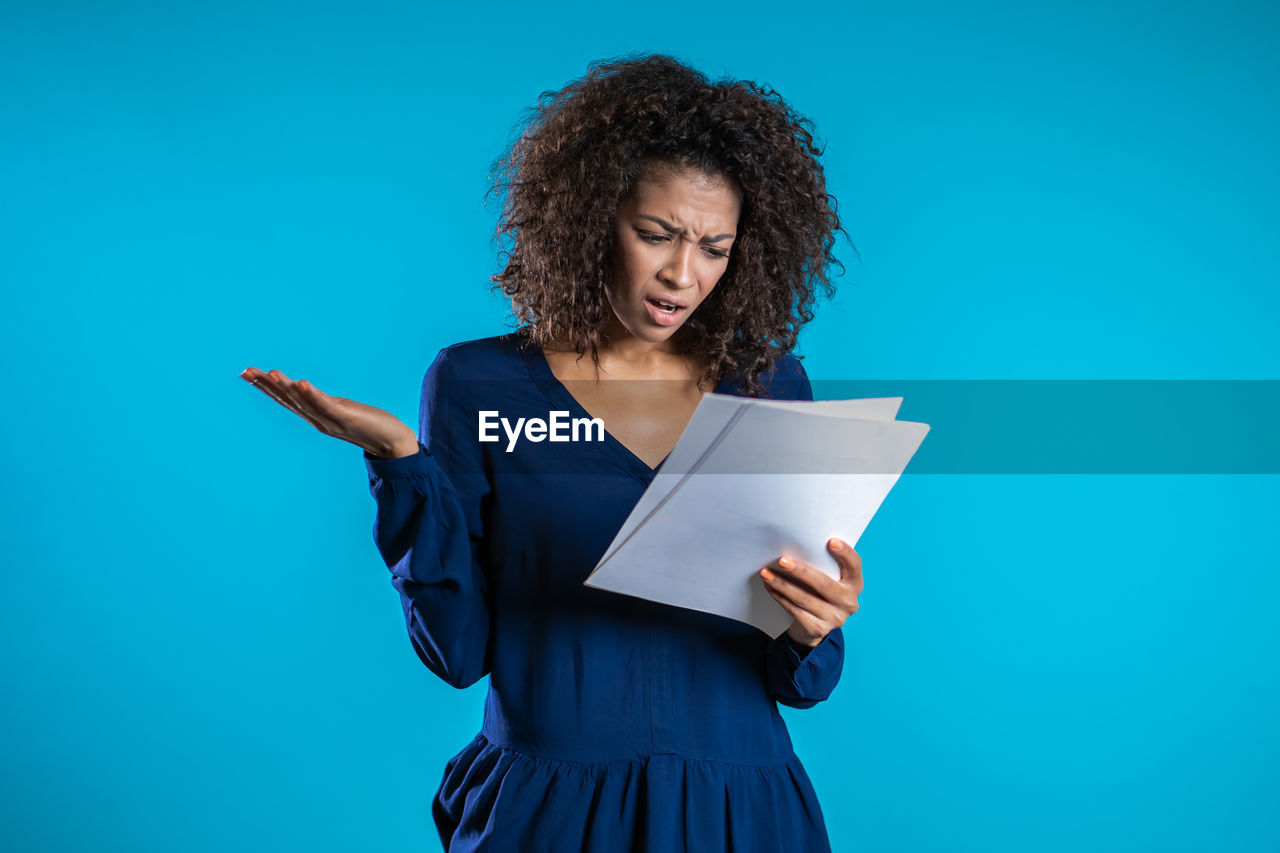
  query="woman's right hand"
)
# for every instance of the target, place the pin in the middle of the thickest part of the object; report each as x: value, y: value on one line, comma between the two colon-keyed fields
x: 379, y: 432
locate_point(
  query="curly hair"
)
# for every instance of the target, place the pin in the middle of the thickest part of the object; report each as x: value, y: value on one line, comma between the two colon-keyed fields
x: 583, y: 148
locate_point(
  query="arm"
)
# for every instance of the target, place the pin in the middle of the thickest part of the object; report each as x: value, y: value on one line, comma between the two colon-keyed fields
x: 430, y: 531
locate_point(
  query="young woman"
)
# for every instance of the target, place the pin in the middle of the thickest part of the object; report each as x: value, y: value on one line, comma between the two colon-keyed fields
x: 665, y: 237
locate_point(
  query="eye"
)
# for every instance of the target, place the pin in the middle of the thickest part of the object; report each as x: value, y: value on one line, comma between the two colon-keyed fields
x: 717, y: 253
x: 650, y: 237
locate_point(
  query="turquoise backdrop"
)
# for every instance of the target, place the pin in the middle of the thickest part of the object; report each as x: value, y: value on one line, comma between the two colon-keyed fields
x: 203, y: 650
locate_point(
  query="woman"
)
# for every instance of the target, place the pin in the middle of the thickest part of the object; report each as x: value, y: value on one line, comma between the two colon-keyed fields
x: 674, y: 231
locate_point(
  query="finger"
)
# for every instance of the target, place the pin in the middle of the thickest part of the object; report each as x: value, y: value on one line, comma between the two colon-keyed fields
x: 801, y: 597
x: 841, y: 595
x: 309, y: 391
x: 810, y: 623
x: 278, y: 386
x: 320, y: 403
x: 850, y: 562
x: 307, y: 396
x: 268, y: 383
x: 805, y: 575
x: 282, y: 384
x: 320, y: 409
x: 253, y: 376
x: 289, y: 390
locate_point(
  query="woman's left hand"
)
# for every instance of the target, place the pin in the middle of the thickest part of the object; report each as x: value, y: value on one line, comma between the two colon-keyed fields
x: 819, y: 603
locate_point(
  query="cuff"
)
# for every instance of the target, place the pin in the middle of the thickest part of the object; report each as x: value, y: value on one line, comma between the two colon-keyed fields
x: 797, y: 653
x: 405, y: 466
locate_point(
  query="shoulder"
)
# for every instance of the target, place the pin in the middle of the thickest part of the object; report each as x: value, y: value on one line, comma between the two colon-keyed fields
x: 787, y: 368
x: 468, y: 373
x: 489, y: 358
x: 787, y: 379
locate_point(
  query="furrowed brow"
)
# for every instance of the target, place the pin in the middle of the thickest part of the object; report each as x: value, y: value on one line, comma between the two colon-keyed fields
x: 674, y: 230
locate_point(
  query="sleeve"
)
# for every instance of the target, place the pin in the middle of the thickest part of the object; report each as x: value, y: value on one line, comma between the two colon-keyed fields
x: 430, y: 530
x: 797, y: 675
x: 800, y: 676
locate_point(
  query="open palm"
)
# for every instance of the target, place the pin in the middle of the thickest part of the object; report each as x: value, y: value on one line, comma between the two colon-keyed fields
x: 375, y: 430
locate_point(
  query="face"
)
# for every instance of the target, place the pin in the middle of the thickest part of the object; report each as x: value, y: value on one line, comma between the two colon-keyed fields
x: 675, y: 232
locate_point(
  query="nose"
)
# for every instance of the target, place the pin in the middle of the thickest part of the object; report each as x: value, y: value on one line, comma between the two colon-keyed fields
x: 678, y: 271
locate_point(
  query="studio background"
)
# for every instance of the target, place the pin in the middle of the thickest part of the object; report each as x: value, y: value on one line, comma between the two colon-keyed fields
x: 202, y: 647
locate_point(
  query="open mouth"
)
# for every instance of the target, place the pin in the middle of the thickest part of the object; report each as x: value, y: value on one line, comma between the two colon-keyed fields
x: 664, y: 307
x: 664, y: 313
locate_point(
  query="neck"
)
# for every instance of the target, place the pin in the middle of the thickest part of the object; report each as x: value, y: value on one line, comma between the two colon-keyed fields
x: 618, y: 346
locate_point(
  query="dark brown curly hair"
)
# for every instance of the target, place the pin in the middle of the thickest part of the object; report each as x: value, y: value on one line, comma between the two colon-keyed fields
x: 582, y: 149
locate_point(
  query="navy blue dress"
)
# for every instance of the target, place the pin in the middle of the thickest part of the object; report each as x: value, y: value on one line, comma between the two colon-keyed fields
x: 611, y: 723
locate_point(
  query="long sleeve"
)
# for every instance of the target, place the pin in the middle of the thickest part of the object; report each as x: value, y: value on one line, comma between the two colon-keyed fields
x: 802, y: 677
x: 797, y: 676
x: 430, y: 531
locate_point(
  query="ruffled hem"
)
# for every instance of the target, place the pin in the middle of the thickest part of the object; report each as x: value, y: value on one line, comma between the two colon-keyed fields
x: 498, y: 799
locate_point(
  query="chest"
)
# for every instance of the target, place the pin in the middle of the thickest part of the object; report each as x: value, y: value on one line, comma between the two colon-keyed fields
x: 645, y: 409
x: 647, y: 416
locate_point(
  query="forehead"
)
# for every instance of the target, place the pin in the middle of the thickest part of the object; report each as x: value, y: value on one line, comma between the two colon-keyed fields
x: 687, y: 195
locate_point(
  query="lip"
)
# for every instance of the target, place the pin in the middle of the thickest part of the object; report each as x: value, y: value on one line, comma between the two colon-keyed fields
x: 679, y: 303
x: 663, y: 319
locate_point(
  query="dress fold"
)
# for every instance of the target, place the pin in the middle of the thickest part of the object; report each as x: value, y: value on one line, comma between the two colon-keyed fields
x: 657, y: 803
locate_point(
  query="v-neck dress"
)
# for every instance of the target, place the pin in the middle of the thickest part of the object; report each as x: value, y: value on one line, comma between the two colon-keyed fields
x: 611, y: 723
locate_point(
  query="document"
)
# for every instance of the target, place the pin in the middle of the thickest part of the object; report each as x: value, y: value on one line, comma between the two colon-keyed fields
x: 751, y: 480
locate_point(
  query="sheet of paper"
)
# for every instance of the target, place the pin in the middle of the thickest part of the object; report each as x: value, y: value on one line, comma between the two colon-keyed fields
x: 701, y: 539
x: 709, y: 420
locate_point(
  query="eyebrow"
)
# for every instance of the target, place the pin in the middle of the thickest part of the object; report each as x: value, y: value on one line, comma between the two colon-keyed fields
x: 675, y: 230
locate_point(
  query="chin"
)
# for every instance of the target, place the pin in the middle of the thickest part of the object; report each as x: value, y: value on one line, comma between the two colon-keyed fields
x: 641, y: 327
x: 649, y: 334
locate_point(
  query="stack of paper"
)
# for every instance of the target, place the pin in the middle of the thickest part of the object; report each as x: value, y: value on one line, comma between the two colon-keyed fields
x: 751, y: 480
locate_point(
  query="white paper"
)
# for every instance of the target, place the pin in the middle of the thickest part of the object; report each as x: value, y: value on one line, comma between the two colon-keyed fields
x: 700, y: 533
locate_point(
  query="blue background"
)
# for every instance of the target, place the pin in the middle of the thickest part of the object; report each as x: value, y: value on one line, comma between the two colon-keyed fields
x: 202, y: 647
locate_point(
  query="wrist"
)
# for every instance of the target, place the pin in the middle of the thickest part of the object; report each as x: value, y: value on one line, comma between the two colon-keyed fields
x: 398, y: 450
x: 802, y: 646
